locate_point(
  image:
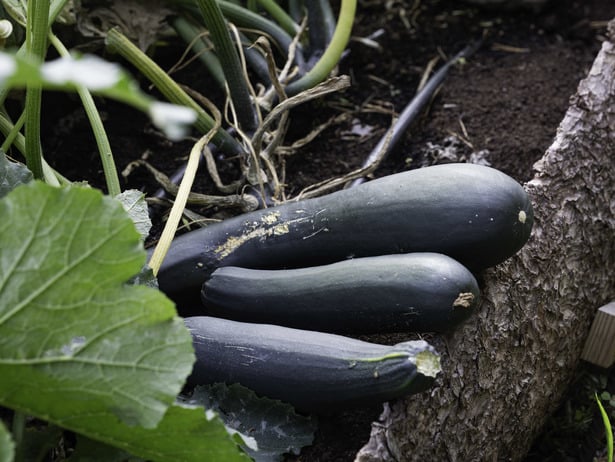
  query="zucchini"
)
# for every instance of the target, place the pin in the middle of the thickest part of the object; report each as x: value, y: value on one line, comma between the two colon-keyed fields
x: 313, y: 371
x: 475, y: 214
x: 418, y: 292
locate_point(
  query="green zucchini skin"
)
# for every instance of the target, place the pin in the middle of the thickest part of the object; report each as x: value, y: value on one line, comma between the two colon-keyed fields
x: 313, y: 371
x: 474, y: 214
x: 416, y: 292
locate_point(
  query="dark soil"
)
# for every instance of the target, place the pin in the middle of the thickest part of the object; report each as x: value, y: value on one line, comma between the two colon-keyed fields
x: 503, y: 105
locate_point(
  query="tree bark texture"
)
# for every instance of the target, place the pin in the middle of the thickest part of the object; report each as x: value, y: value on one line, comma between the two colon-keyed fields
x: 508, y: 367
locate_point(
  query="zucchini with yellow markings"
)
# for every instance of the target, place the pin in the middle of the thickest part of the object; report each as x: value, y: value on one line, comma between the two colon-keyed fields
x: 475, y: 214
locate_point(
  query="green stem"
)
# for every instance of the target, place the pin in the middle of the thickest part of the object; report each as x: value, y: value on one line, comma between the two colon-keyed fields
x: 54, y: 10
x: 18, y: 428
x: 13, y: 133
x: 321, y: 24
x: 119, y: 43
x: 332, y: 54
x: 36, y: 47
x: 231, y: 65
x: 8, y: 129
x: 51, y: 176
x: 191, y: 34
x: 245, y: 18
x: 102, y: 141
x: 280, y: 16
x: 296, y: 9
x: 608, y: 430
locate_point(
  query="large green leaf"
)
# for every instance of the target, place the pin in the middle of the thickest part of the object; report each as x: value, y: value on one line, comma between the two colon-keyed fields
x: 186, y: 433
x: 78, y: 346
x: 74, y: 340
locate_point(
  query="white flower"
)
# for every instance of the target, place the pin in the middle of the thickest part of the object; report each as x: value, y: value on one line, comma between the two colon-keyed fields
x: 7, y: 66
x: 89, y: 71
x: 173, y: 120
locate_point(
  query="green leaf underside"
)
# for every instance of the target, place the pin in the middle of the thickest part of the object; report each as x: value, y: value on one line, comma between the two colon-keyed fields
x: 135, y: 205
x: 275, y: 425
x: 12, y: 175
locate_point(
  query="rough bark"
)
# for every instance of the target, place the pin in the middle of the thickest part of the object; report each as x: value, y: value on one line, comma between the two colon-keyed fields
x: 508, y: 367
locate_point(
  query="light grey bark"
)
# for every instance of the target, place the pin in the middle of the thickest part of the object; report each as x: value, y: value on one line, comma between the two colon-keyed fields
x: 508, y: 367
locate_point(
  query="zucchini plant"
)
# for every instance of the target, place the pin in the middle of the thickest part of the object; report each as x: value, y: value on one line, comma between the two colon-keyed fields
x: 56, y: 340
x: 404, y: 245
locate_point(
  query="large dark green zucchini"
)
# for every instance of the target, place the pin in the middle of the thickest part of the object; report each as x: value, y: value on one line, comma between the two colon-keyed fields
x: 475, y: 214
x: 313, y: 371
x: 418, y: 292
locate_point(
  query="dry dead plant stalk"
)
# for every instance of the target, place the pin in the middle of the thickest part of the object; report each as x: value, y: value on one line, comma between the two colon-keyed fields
x: 245, y: 202
x: 322, y: 187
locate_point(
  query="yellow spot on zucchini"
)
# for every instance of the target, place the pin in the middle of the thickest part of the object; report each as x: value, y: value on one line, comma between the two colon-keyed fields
x: 428, y: 363
x: 464, y: 300
x: 232, y: 243
x: 271, y: 218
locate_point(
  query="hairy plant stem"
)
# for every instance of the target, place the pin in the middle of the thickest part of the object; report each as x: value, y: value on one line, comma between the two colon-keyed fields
x: 332, y: 54
x: 17, y: 139
x: 119, y: 43
x: 244, y: 18
x: 55, y: 9
x: 231, y: 65
x: 36, y: 47
x: 102, y: 141
x: 18, y: 428
x: 13, y: 133
x: 193, y: 35
x: 321, y: 24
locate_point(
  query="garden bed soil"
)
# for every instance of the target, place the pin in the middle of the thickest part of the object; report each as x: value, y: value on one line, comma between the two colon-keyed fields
x: 502, y: 105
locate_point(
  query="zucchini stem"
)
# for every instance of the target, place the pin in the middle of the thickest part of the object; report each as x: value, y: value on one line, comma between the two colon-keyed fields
x: 280, y: 16
x: 36, y: 47
x: 231, y: 64
x: 54, y: 10
x: 18, y: 429
x: 194, y: 36
x: 321, y: 24
x: 119, y: 43
x: 98, y: 128
x: 332, y: 54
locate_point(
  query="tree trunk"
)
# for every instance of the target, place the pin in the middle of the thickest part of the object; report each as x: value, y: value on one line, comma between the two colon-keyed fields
x: 507, y: 368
